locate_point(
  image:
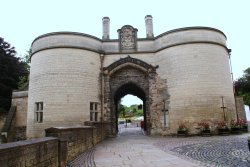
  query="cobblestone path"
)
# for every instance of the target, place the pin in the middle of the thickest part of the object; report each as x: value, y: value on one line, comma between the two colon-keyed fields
x: 227, y: 151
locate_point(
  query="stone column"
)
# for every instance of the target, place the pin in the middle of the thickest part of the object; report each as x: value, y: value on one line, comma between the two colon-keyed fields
x: 105, y: 28
x: 149, y: 26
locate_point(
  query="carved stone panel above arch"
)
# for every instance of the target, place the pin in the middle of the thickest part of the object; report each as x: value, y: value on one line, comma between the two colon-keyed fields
x: 127, y: 38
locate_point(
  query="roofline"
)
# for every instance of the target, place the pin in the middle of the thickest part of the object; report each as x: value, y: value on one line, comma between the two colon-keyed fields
x: 139, y: 39
x: 66, y: 33
x: 190, y: 28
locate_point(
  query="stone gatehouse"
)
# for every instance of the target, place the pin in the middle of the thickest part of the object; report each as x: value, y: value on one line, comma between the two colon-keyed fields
x: 77, y: 77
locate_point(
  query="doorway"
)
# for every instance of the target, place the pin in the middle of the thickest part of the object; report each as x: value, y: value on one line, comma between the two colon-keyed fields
x: 129, y: 116
x: 128, y: 76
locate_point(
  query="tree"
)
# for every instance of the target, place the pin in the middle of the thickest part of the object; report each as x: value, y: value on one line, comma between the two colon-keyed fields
x: 11, y: 69
x: 121, y: 111
x: 132, y: 111
x: 242, y: 86
x: 24, y: 80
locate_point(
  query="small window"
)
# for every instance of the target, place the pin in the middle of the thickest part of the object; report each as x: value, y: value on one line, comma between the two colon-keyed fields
x: 93, y: 111
x: 39, y: 112
x: 96, y: 116
x: 37, y: 106
x: 91, y: 116
x: 91, y: 106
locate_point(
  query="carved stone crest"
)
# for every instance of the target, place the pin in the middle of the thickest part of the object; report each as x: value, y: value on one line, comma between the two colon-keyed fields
x: 127, y: 37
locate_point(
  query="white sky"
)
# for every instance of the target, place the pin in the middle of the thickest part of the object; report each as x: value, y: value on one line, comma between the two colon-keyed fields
x: 22, y: 21
x: 129, y: 100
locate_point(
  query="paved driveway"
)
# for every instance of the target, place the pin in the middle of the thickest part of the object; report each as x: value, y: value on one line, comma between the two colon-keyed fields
x: 132, y: 149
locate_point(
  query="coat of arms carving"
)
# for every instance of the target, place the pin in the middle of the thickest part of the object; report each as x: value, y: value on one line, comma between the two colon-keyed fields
x: 127, y: 36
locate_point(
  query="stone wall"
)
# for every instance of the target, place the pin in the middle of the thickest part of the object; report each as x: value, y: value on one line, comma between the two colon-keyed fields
x: 19, y: 133
x: 240, y: 107
x: 20, y: 100
x: 15, y: 129
x: 62, y: 145
x: 102, y: 130
x: 18, y: 130
x: 78, y: 139
x: 35, y: 152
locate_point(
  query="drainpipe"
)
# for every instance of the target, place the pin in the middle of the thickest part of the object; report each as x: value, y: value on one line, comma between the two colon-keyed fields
x: 102, y: 91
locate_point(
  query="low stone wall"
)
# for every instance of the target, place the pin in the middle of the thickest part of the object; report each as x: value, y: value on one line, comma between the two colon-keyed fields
x: 34, y: 152
x: 19, y: 133
x: 79, y: 139
x: 15, y: 123
x: 102, y: 130
x: 240, y: 107
x: 20, y: 100
x: 60, y: 146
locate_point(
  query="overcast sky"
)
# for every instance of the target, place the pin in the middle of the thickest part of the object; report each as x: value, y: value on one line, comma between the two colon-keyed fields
x: 23, y: 20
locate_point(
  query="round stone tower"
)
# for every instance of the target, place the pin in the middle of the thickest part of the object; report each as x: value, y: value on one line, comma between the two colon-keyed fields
x: 195, y: 63
x: 63, y: 80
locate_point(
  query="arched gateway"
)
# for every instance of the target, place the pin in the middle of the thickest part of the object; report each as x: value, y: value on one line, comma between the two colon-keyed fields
x: 131, y: 76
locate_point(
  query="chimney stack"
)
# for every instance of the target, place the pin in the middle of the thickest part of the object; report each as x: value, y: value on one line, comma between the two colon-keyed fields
x: 149, y: 26
x: 105, y: 28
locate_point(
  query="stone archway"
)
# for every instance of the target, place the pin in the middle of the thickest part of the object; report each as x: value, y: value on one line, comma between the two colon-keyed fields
x: 133, y: 76
x: 134, y: 89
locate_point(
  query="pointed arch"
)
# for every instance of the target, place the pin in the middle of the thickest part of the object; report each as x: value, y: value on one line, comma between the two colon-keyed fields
x: 129, y: 88
x: 129, y: 61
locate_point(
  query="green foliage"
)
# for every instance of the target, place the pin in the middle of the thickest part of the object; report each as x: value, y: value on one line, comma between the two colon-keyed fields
x: 242, y: 86
x: 121, y: 111
x: 23, y: 82
x: 132, y: 111
x: 26, y: 60
x: 11, y: 68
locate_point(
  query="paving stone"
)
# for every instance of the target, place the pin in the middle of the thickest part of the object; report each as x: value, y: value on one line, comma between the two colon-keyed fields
x: 229, y: 151
x: 132, y: 149
x: 136, y: 150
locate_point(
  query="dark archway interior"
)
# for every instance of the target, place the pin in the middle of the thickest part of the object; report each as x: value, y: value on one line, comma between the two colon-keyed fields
x: 133, y: 89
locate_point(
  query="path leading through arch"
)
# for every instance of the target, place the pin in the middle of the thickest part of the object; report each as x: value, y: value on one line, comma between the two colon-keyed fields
x: 131, y: 148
